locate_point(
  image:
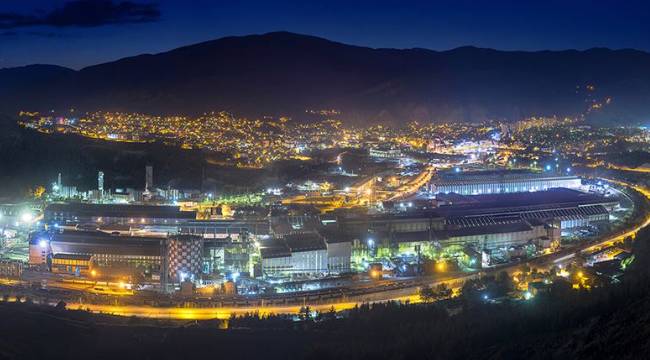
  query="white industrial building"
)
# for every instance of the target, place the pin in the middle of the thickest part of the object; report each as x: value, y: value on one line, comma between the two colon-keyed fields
x: 495, y: 182
x: 305, y: 254
x: 338, y: 256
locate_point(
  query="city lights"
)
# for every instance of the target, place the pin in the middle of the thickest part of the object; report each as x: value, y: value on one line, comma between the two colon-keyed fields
x: 282, y: 195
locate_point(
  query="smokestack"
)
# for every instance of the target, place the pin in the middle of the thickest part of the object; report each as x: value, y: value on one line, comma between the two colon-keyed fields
x: 148, y: 180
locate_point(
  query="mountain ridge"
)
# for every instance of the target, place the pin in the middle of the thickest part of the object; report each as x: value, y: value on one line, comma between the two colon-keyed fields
x: 283, y: 73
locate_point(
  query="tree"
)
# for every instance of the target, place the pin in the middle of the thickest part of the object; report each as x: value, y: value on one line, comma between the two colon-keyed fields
x: 561, y: 288
x: 470, y: 293
x: 442, y: 291
x: 60, y: 305
x: 426, y: 293
x: 330, y: 315
x: 505, y: 281
x: 305, y: 313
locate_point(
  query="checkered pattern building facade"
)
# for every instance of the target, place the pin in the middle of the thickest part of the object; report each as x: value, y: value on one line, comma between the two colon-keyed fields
x: 185, y: 256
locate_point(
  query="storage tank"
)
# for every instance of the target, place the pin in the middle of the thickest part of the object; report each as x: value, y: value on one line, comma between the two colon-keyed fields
x: 184, y: 257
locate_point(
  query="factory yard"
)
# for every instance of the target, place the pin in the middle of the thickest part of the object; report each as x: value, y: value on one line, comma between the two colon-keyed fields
x: 47, y: 288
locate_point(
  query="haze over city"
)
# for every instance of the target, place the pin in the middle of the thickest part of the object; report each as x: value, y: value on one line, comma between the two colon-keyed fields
x: 335, y: 180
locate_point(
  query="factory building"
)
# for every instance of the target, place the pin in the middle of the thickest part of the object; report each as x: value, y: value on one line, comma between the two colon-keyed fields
x: 72, y: 264
x: 228, y: 243
x: 496, y: 236
x: 276, y: 259
x: 39, y: 250
x: 84, y: 213
x: 499, y: 182
x: 191, y: 255
x: 105, y: 250
x: 305, y: 254
x: 401, y: 222
x: 339, y: 250
x: 226, y: 228
x: 488, y: 221
x: 226, y: 255
x: 571, y: 208
x: 493, y: 236
x: 338, y: 256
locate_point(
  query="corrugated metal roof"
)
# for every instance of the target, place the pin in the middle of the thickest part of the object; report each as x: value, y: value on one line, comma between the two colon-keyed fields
x: 120, y: 210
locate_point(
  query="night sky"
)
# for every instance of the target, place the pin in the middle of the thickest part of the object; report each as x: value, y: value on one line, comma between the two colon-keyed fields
x: 81, y: 33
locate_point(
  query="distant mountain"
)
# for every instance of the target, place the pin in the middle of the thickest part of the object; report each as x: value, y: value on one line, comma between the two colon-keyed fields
x: 33, y: 87
x: 286, y: 73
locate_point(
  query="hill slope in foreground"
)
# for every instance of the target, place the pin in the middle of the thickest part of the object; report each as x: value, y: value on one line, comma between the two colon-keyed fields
x: 33, y: 332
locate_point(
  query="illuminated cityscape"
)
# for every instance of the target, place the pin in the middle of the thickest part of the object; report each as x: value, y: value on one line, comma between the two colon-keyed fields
x: 288, y: 196
x: 400, y: 206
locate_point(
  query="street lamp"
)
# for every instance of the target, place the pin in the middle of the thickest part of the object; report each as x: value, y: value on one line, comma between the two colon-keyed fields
x: 26, y: 217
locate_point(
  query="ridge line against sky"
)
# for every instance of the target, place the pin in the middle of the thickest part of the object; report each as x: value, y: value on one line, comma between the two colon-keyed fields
x: 79, y: 33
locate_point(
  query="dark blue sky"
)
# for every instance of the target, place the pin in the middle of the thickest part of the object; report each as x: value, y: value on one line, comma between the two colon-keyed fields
x: 76, y: 34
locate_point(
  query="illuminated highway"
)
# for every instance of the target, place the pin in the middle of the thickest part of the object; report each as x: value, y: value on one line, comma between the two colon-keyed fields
x: 216, y: 313
x: 625, y: 168
x: 413, y: 186
x: 632, y: 232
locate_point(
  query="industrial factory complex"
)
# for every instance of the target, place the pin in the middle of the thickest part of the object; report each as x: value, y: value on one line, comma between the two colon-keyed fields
x: 477, y: 220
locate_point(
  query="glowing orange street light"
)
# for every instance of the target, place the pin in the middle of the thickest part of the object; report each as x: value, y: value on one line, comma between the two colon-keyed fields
x: 441, y: 266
